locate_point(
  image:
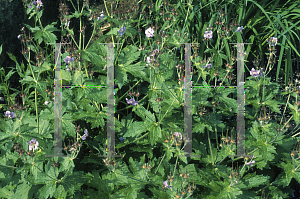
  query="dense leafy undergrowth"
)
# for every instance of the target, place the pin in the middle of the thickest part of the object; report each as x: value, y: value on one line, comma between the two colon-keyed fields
x: 150, y: 104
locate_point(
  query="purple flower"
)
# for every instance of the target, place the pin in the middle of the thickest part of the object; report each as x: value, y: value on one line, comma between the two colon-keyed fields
x: 254, y: 73
x: 33, y: 143
x: 207, y: 66
x: 39, y: 3
x: 177, y: 134
x: 272, y: 41
x: 132, y: 101
x: 122, y: 31
x: 30, y: 6
x: 251, y: 163
x: 34, y: 2
x: 46, y: 103
x: 166, y: 184
x: 149, y: 32
x: 101, y: 17
x: 7, y: 113
x: 10, y: 114
x: 19, y: 36
x: 208, y: 34
x: 85, y: 134
x: 154, y: 51
x: 68, y: 59
x: 121, y: 139
x: 240, y: 29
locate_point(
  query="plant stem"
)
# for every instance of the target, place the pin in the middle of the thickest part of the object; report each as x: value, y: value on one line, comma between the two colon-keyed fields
x: 160, y: 162
x: 108, y: 16
x: 36, y: 111
x: 212, y: 158
x: 140, y: 137
x: 175, y: 166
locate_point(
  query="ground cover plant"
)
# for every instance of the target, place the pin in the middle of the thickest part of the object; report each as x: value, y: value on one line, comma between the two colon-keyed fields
x: 150, y: 102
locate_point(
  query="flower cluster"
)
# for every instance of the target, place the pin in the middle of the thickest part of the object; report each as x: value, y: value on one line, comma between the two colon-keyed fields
x: 85, y: 134
x: 132, y: 102
x: 37, y: 3
x: 33, y: 144
x: 9, y: 114
x: 149, y: 59
x: 272, y: 41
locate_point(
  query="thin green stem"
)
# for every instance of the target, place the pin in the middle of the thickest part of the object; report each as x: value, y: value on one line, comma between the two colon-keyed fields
x: 160, y: 162
x: 36, y: 110
x: 212, y: 158
x: 108, y: 16
x: 175, y: 166
x: 140, y: 137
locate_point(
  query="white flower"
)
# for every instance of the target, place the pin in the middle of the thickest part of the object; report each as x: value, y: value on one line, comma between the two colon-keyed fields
x: 149, y: 32
x: 149, y: 60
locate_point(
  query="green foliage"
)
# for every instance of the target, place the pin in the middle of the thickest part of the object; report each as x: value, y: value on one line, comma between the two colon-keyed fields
x: 151, y: 161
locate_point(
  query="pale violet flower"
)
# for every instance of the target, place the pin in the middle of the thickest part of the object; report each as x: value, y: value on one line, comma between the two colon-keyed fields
x: 122, y: 31
x: 166, y: 184
x: 154, y: 52
x: 272, y: 41
x: 10, y: 114
x: 46, y: 103
x: 177, y: 134
x: 149, y: 32
x: 240, y: 29
x: 208, y: 34
x: 121, y: 139
x: 132, y: 102
x: 101, y: 17
x: 68, y: 59
x: 85, y: 134
x: 39, y: 3
x: 33, y: 144
x: 254, y: 73
x: 7, y: 113
x: 207, y: 66
x: 251, y: 163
